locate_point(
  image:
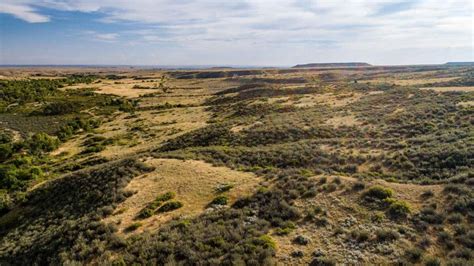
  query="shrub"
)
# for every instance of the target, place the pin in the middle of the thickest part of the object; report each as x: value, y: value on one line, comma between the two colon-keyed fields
x: 431, y: 261
x: 414, y: 254
x: 399, y: 209
x: 6, y: 151
x: 133, y: 226
x: 301, y: 240
x: 427, y: 194
x: 150, y: 209
x: 267, y: 242
x: 386, y: 235
x: 358, y: 186
x: 377, y: 217
x: 444, y: 238
x: 322, y: 262
x: 429, y: 215
x: 60, y: 108
x: 221, y: 188
x: 297, y: 254
x: 377, y: 193
x: 360, y: 235
x: 5, y: 202
x: 41, y: 142
x: 323, y: 221
x: 454, y: 218
x: 468, y: 239
x: 329, y: 187
x: 285, y: 229
x: 170, y: 206
x: 219, y: 200
x: 310, y: 193
x: 455, y: 189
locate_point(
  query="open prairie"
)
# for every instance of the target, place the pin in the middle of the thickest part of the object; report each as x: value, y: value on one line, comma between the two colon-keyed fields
x: 287, y: 166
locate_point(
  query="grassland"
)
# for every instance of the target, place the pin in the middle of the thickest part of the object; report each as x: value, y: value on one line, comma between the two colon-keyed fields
x: 369, y: 165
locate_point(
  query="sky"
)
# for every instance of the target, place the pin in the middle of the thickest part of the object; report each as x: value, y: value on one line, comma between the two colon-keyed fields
x: 235, y: 32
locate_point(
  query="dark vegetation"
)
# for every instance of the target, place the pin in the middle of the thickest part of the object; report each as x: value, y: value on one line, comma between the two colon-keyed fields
x: 62, y: 218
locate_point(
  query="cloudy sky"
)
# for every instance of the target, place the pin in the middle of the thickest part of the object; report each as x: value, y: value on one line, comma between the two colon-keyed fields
x: 235, y: 32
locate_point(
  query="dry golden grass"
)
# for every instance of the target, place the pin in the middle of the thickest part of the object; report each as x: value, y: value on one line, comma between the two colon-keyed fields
x: 446, y: 89
x: 123, y: 87
x: 408, y: 82
x: 466, y: 103
x: 150, y: 129
x: 308, y: 100
x: 194, y: 183
x: 347, y: 120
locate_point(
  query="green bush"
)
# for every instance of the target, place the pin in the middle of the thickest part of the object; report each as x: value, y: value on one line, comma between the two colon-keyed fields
x: 133, y: 226
x: 40, y: 143
x: 6, y: 151
x: 414, y: 254
x: 285, y: 229
x: 431, y: 261
x: 399, y: 209
x: 170, y: 206
x: 60, y: 108
x: 377, y: 193
x: 386, y: 235
x: 267, y: 242
x: 220, y: 200
x: 151, y: 207
x: 322, y: 261
x: 221, y: 188
x: 360, y: 235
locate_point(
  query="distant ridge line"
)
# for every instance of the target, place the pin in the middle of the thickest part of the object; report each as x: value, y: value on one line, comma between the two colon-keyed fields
x: 347, y: 64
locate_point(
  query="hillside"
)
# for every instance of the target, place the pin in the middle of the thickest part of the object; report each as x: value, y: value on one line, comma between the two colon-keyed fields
x: 120, y: 166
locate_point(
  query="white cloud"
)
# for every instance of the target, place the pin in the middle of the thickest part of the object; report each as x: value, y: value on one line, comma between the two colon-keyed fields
x: 22, y: 11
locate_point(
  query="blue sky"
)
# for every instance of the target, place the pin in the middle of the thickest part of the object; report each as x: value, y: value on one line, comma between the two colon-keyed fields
x: 238, y: 32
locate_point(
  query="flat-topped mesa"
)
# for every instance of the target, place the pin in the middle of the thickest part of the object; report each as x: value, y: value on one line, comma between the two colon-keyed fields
x: 460, y: 63
x: 326, y: 65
